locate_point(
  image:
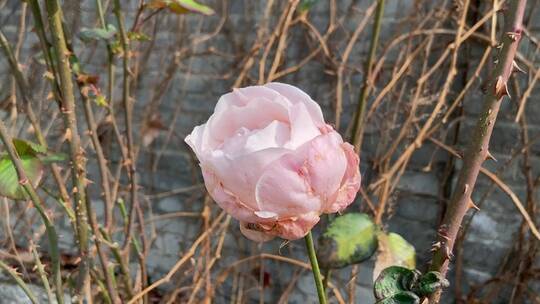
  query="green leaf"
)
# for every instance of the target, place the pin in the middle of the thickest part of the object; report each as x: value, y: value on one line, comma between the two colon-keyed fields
x: 403, y: 252
x: 393, y: 280
x: 306, y: 5
x: 28, y: 148
x: 75, y: 64
x: 53, y: 158
x: 349, y: 239
x: 25, y: 147
x: 181, y: 6
x: 100, y: 100
x: 393, y: 250
x: 9, y: 181
x: 138, y: 36
x: 89, y: 34
x: 403, y: 297
x: 430, y: 282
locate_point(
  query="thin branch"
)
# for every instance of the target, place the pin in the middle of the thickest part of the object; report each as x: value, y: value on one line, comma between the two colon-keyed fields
x: 368, y: 79
x: 78, y: 167
x: 128, y: 113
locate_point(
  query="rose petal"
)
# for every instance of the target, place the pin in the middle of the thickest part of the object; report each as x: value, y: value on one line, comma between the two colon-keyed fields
x: 226, y: 200
x: 275, y: 135
x: 284, y: 188
x: 295, y: 95
x: 261, y: 106
x: 350, y: 183
x: 197, y: 140
x: 303, y: 129
x: 254, y: 234
x: 240, y: 174
x: 293, y: 228
x: 304, y: 180
x: 266, y: 214
x: 326, y: 164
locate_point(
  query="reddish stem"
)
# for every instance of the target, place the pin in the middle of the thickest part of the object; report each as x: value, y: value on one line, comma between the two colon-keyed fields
x: 477, y: 151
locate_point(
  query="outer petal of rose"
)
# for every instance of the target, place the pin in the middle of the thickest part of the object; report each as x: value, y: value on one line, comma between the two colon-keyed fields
x: 284, y: 188
x: 240, y: 174
x: 196, y: 139
x: 255, y: 235
x: 326, y: 164
x: 304, y: 180
x: 350, y: 183
x: 227, y: 200
x: 294, y: 228
x: 295, y: 95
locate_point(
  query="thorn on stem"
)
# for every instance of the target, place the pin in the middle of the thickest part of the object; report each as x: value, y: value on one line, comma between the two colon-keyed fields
x: 448, y: 252
x: 517, y: 68
x: 436, y: 246
x: 501, y: 88
x: 514, y: 35
x: 490, y: 156
x: 473, y: 205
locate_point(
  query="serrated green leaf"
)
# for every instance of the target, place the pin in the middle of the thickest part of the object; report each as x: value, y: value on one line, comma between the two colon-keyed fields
x: 403, y: 297
x: 181, y: 6
x: 393, y: 280
x: 349, y: 239
x: 25, y: 147
x: 28, y: 148
x: 393, y: 250
x: 9, y: 181
x: 430, y: 282
x: 89, y: 34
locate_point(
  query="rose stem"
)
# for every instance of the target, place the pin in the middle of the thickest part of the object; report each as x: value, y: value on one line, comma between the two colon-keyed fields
x: 6, y: 139
x: 358, y: 126
x: 315, y: 268
x: 477, y: 150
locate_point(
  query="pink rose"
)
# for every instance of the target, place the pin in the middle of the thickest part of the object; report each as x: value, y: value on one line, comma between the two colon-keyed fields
x: 270, y: 161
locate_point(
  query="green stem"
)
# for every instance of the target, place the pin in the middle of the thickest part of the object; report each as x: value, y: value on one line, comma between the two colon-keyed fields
x: 128, y: 117
x: 13, y: 273
x: 29, y: 103
x: 124, y: 268
x: 49, y: 227
x: 78, y: 166
x: 42, y: 274
x: 358, y: 126
x: 326, y: 274
x: 315, y: 268
x: 39, y: 28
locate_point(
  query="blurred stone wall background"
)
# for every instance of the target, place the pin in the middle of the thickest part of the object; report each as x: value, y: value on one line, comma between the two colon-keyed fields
x: 181, y: 80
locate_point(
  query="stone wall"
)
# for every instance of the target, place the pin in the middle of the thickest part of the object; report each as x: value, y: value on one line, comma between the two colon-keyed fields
x: 210, y: 70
